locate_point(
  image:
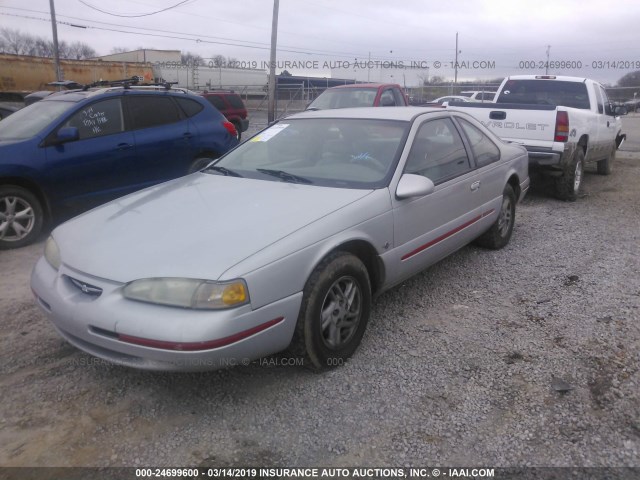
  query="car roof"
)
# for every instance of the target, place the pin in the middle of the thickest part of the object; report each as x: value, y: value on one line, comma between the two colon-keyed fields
x: 366, y: 85
x: 79, y: 95
x: 374, y: 113
x: 562, y: 78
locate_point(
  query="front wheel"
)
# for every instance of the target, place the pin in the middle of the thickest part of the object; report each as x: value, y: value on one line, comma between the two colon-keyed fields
x: 335, y: 310
x: 500, y: 232
x: 21, y: 217
x: 569, y: 183
x: 199, y: 163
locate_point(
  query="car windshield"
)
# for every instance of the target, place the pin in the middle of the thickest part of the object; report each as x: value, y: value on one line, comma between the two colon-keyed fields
x: 344, y: 153
x: 27, y: 122
x: 345, y: 98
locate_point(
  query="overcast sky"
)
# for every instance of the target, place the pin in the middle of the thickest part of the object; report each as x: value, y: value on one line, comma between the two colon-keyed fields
x: 498, y: 35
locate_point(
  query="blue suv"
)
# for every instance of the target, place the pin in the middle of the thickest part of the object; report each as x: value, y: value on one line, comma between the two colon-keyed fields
x: 76, y: 149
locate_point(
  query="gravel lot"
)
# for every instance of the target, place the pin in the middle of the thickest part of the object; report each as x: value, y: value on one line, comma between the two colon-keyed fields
x: 525, y: 356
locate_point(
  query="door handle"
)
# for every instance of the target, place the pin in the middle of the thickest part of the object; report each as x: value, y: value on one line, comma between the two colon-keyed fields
x: 475, y: 186
x: 187, y: 135
x: 124, y: 146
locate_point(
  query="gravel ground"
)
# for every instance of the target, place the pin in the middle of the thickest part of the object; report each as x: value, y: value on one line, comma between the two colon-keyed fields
x: 528, y: 356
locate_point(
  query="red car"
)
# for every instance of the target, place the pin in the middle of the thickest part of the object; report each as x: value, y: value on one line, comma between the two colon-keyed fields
x: 360, y: 95
x: 231, y: 106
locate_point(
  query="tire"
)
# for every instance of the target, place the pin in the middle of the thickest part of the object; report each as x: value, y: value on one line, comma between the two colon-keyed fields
x: 199, y: 163
x: 341, y: 277
x: 238, y: 131
x: 500, y: 232
x: 605, y: 167
x: 21, y: 217
x: 569, y: 183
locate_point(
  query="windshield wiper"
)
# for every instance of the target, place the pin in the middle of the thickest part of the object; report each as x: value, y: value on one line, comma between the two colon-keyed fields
x: 286, y: 176
x: 223, y: 171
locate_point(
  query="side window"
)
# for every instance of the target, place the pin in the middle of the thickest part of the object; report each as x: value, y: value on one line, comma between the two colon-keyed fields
x: 599, y: 100
x: 386, y: 99
x: 483, y: 148
x: 189, y: 107
x: 398, y: 97
x: 438, y: 152
x: 235, y: 101
x: 152, y: 111
x: 216, y: 102
x: 98, y: 119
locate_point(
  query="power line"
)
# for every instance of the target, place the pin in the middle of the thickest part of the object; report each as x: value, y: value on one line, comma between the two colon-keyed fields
x: 136, y: 15
x: 198, y: 37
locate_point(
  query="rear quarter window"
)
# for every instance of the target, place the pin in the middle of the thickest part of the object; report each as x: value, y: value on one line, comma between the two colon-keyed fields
x: 189, y: 107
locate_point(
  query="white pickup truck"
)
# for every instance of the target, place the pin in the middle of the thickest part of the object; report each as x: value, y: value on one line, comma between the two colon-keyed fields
x: 564, y: 123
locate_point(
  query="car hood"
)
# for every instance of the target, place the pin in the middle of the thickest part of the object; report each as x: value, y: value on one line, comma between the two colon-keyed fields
x: 198, y: 226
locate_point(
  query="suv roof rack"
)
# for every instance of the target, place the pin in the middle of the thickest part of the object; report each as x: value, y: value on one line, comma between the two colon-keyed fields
x: 219, y: 90
x: 125, y: 83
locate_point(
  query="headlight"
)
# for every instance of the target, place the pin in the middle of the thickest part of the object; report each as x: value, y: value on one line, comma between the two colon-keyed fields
x: 52, y: 253
x: 189, y: 292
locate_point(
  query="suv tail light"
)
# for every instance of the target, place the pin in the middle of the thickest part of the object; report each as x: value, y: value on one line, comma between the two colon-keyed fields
x: 231, y: 128
x: 562, y: 127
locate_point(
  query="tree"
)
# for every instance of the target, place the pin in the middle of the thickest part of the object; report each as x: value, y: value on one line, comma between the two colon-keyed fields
x: 219, y: 61
x: 631, y: 79
x: 81, y: 51
x: 18, y: 43
x: 115, y: 50
x: 436, y: 80
x: 191, y: 59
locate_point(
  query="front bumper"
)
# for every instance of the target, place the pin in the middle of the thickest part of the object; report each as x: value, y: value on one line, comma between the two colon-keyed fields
x: 154, y: 337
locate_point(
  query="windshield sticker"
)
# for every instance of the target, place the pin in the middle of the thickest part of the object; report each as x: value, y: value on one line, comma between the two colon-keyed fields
x: 270, y: 133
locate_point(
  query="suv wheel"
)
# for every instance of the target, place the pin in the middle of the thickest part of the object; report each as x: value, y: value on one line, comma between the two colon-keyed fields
x: 21, y: 217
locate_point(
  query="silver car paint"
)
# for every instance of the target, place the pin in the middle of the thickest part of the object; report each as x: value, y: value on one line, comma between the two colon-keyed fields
x: 275, y: 255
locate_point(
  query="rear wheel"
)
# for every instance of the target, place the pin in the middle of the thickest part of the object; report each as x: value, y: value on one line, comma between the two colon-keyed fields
x: 569, y: 183
x: 199, y: 163
x: 500, y: 232
x: 605, y: 167
x: 335, y: 310
x: 21, y: 217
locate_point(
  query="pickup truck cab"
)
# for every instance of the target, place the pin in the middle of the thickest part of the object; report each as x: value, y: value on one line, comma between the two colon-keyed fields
x: 360, y: 95
x: 563, y: 122
x: 479, y: 95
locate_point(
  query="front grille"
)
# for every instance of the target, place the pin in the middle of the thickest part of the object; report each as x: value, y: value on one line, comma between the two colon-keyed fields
x: 86, y: 288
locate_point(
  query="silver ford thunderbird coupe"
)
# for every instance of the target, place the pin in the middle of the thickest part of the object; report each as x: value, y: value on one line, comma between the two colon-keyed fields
x: 282, y: 243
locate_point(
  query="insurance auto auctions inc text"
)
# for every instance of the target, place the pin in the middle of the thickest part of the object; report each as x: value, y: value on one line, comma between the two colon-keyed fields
x: 349, y: 473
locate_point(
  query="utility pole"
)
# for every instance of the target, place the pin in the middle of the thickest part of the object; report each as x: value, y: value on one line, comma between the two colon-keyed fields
x: 56, y: 52
x: 455, y: 79
x: 271, y: 115
x: 546, y: 69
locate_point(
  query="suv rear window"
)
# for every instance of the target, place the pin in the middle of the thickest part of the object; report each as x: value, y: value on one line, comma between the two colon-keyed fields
x: 545, y: 92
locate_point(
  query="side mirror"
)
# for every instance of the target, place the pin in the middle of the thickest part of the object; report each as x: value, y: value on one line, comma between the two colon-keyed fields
x: 67, y: 134
x: 387, y: 102
x: 411, y: 185
x: 619, y: 110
